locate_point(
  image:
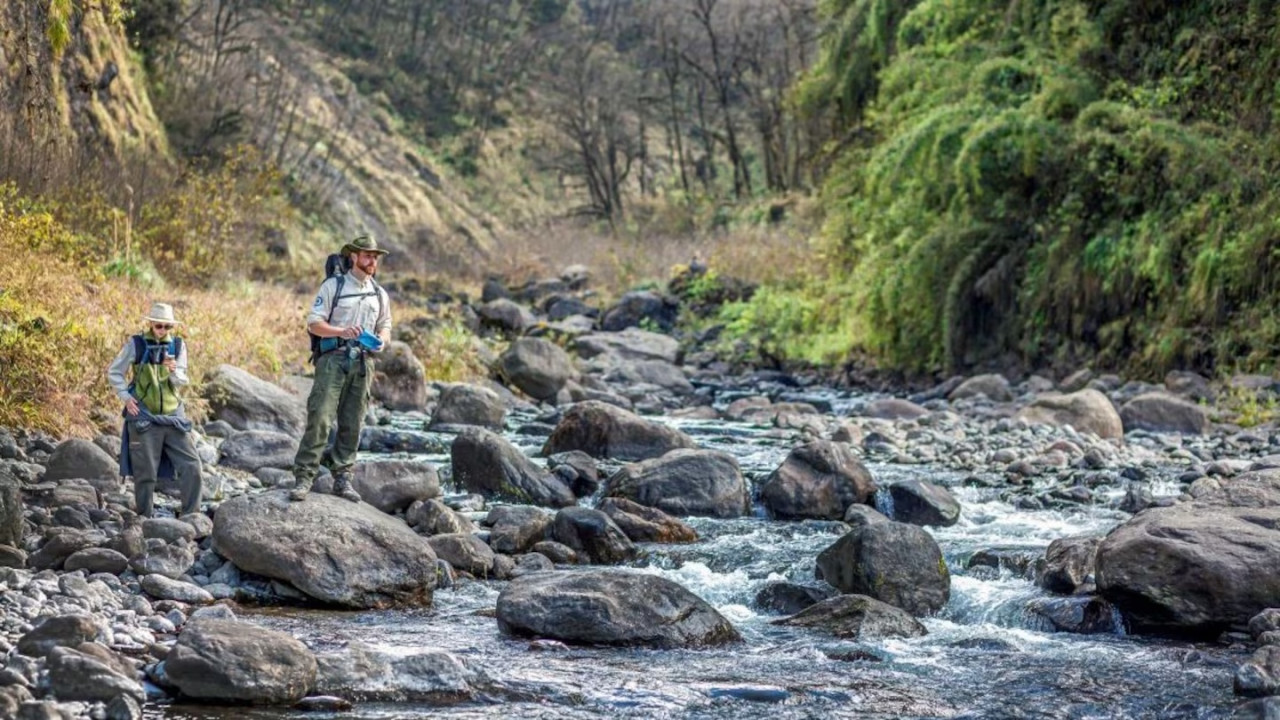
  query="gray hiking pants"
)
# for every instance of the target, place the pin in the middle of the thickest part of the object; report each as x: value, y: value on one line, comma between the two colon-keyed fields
x: 145, y: 448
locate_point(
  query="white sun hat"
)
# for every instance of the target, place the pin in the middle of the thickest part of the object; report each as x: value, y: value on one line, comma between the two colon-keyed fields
x: 161, y: 313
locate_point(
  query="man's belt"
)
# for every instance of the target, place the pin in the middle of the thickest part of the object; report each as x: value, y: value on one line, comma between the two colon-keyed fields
x: 331, y: 345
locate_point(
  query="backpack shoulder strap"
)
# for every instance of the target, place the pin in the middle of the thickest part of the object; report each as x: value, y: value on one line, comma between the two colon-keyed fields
x: 177, y: 347
x: 139, y: 349
x: 340, y: 280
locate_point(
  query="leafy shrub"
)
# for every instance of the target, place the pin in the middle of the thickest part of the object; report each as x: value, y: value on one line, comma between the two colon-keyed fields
x: 1054, y: 180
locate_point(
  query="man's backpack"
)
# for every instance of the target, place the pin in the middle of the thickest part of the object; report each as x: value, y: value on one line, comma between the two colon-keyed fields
x: 337, y: 266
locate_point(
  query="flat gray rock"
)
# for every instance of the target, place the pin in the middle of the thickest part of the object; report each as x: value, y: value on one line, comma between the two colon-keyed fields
x: 601, y: 607
x: 335, y: 551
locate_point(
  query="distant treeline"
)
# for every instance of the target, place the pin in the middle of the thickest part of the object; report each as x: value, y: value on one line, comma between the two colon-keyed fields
x: 679, y: 98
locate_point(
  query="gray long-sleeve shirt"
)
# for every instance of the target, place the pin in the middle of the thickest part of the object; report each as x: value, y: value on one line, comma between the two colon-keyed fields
x: 118, y: 371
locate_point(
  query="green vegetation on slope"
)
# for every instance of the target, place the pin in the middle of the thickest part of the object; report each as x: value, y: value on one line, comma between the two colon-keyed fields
x: 1050, y: 180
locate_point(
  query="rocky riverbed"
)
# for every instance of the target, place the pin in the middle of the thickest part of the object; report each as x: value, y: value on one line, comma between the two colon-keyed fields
x: 627, y: 528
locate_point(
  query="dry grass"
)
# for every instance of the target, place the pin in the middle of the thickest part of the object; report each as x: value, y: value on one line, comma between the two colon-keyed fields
x: 61, y: 323
x: 449, y: 352
x: 623, y: 261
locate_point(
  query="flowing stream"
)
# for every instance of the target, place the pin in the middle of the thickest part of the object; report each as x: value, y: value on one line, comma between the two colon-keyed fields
x: 987, y: 655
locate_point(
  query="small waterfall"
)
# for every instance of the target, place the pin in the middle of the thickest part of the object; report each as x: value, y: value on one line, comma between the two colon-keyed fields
x: 1117, y: 621
x: 884, y: 502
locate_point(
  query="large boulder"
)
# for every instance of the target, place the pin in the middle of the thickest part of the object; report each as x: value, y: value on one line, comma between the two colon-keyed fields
x: 1259, y: 676
x: 394, y: 485
x: 992, y: 386
x: 856, y: 617
x: 642, y: 523
x: 630, y: 344
x: 515, y: 529
x: 894, y: 409
x: 465, y: 552
x: 1069, y: 563
x: 252, y: 450
x: 338, y: 552
x: 684, y: 482
x: 71, y: 492
x: 1164, y: 413
x: 579, y: 471
x: 399, y: 380
x: 163, y: 588
x: 637, y: 307
x: 602, y: 607
x: 90, y: 673
x: 892, y: 562
x: 433, y: 517
x: 1086, y: 410
x: 248, y: 403
x: 604, y: 431
x: 592, y: 535
x: 486, y: 463
x: 462, y: 404
x: 921, y: 503
x: 1200, y: 567
x: 540, y: 368
x: 226, y: 661
x: 10, y: 509
x: 789, y: 598
x: 818, y: 480
x: 659, y: 373
x: 79, y: 458
x: 506, y: 315
x: 56, y: 631
x: 96, y: 560
x: 1081, y: 614
x: 61, y: 543
x: 171, y: 561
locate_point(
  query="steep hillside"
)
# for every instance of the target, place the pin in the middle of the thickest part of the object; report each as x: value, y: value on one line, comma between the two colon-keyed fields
x: 347, y: 161
x: 71, y: 95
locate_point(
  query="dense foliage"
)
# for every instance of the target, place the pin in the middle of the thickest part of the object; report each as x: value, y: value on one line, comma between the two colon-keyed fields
x: 1051, y: 181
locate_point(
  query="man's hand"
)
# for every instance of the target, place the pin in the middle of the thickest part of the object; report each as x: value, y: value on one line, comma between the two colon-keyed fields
x: 170, y: 364
x: 131, y: 407
x: 351, y: 333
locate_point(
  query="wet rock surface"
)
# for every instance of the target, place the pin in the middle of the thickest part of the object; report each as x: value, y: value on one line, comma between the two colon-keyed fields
x: 611, y: 608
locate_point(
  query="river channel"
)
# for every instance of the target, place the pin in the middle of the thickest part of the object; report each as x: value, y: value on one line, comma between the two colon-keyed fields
x: 987, y: 655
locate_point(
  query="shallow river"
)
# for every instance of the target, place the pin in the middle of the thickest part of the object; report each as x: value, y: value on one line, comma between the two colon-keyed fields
x: 986, y: 655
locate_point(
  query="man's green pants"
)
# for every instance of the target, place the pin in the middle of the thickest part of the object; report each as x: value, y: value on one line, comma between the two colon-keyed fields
x: 341, y: 394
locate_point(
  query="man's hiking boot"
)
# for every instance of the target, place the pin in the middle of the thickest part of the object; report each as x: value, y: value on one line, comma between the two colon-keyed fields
x: 300, y: 491
x: 342, y: 488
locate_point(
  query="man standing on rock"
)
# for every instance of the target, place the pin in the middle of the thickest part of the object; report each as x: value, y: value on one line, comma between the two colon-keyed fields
x: 346, y: 306
x: 157, y: 433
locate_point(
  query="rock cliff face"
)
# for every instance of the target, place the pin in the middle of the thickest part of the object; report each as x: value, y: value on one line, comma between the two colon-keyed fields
x: 84, y: 100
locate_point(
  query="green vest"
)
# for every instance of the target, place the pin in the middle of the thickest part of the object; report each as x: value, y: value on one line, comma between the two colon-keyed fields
x: 151, y: 384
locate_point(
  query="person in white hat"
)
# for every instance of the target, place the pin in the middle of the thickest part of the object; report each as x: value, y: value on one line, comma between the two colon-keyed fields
x: 157, y: 433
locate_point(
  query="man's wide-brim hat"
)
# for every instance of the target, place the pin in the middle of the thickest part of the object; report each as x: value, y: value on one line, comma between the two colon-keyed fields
x: 364, y: 243
x: 161, y: 313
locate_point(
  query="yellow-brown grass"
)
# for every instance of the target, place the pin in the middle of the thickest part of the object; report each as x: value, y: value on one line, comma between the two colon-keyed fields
x: 449, y: 352
x: 621, y: 261
x: 61, y: 323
